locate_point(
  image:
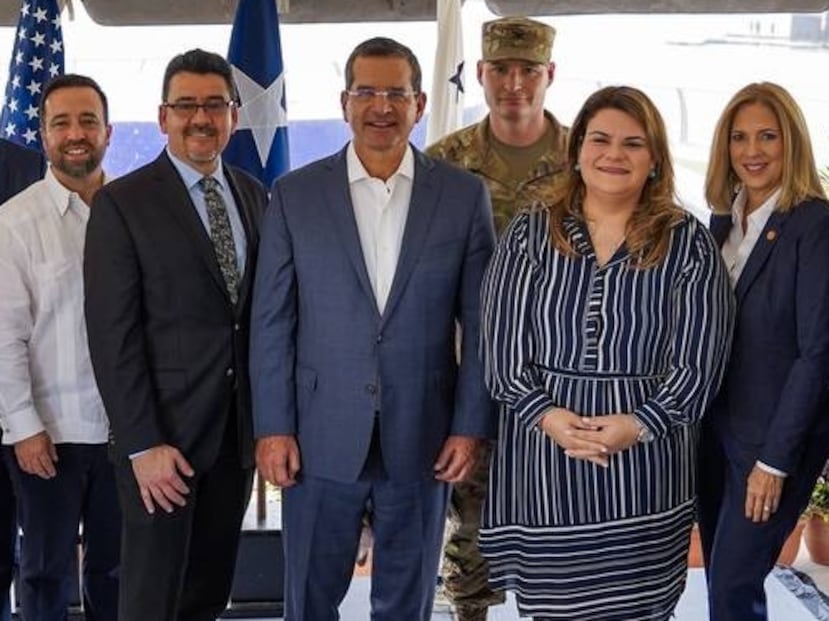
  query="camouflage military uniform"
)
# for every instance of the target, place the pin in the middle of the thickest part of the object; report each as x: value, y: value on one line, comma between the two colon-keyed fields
x: 470, y: 148
x: 465, y: 572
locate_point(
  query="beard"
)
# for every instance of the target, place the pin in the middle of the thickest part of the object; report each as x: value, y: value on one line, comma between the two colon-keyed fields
x: 79, y: 169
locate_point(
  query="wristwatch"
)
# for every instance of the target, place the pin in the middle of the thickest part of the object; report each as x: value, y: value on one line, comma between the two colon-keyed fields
x: 645, y: 434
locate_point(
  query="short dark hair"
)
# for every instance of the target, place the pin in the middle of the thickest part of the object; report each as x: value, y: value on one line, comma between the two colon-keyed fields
x: 382, y: 46
x: 71, y: 80
x: 201, y: 62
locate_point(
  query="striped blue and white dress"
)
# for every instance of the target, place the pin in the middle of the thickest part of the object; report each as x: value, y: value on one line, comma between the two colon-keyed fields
x: 573, y: 540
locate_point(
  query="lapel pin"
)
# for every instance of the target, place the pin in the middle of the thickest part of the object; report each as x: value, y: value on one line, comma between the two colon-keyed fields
x: 771, y: 235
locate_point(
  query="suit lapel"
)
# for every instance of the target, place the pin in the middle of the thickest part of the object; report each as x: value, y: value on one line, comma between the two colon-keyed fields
x: 243, y: 205
x: 338, y: 201
x: 760, y: 253
x: 176, y: 199
x: 421, y: 208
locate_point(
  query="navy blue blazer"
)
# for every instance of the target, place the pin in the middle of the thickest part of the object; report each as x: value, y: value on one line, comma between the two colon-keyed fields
x: 325, y: 362
x: 19, y: 168
x: 774, y: 399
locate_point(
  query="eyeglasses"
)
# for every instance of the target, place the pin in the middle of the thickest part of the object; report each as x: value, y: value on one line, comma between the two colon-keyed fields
x: 392, y: 95
x: 186, y: 109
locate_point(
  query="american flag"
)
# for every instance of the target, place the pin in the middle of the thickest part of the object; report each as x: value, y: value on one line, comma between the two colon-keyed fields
x: 36, y: 57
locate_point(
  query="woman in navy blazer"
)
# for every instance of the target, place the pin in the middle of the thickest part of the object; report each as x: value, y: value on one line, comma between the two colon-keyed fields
x: 766, y: 435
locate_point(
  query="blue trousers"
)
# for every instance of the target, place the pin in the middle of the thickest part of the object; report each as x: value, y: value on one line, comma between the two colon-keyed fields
x: 50, y: 511
x: 739, y: 553
x: 322, y: 520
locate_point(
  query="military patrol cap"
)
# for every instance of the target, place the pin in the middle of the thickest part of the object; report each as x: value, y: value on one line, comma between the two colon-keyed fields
x: 517, y: 38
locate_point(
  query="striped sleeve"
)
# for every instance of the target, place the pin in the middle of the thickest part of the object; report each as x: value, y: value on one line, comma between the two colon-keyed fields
x: 703, y: 306
x: 506, y: 333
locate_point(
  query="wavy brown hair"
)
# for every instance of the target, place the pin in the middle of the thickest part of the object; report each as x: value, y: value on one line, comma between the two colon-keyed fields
x: 649, y: 228
x: 800, y: 179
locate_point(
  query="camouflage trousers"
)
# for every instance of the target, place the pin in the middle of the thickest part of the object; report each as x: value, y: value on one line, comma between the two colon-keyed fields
x: 465, y: 572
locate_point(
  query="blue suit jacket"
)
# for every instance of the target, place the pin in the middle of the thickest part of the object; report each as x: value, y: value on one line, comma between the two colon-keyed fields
x: 19, y: 168
x: 774, y: 400
x: 324, y: 362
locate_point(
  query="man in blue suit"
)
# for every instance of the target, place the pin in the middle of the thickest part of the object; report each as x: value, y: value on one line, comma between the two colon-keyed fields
x: 369, y: 259
x: 19, y: 168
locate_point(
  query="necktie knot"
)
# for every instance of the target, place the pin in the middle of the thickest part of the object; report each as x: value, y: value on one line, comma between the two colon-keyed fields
x: 209, y: 184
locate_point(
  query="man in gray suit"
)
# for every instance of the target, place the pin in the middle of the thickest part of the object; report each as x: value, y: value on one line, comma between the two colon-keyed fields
x: 368, y: 261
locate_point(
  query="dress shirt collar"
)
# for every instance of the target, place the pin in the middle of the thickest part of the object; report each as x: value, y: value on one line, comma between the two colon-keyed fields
x: 62, y: 197
x: 191, y: 176
x: 358, y: 172
x: 756, y: 220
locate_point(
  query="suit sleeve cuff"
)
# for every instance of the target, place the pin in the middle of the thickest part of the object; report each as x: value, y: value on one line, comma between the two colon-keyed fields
x: 770, y: 469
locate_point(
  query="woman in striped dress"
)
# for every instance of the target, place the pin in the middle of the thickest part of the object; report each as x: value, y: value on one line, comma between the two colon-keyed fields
x: 606, y: 322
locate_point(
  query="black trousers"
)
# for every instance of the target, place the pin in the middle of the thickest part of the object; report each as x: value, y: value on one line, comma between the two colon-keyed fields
x: 179, y: 566
x: 8, y: 532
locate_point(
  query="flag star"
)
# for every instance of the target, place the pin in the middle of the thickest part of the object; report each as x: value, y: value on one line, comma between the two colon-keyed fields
x: 457, y: 80
x: 24, y: 10
x: 39, y: 39
x: 40, y: 15
x: 13, y: 105
x: 15, y: 82
x: 56, y: 22
x: 33, y: 87
x: 30, y: 135
x: 53, y: 70
x: 10, y: 129
x: 36, y: 63
x: 57, y: 46
x: 262, y: 110
x: 31, y: 112
x: 21, y: 33
x: 18, y: 58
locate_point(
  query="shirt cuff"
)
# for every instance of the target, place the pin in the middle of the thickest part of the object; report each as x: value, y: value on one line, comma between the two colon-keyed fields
x: 21, y: 425
x: 770, y: 469
x: 532, y: 407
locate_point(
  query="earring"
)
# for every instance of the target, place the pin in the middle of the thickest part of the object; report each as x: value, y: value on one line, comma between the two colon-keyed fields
x: 652, y: 174
x: 577, y: 167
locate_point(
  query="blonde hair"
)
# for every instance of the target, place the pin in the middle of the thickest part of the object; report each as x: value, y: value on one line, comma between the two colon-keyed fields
x: 800, y: 179
x: 649, y: 228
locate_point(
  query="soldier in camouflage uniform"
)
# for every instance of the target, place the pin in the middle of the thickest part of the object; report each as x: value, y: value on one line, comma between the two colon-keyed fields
x: 519, y: 149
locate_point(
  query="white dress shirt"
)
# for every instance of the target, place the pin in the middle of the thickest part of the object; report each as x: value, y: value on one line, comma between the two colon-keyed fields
x: 737, y: 248
x: 380, y: 209
x: 46, y: 379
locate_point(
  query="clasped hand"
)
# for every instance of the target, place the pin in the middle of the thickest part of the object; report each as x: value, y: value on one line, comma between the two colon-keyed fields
x: 590, y: 439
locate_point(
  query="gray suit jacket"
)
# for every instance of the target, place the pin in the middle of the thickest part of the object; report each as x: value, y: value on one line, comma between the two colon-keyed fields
x: 325, y: 363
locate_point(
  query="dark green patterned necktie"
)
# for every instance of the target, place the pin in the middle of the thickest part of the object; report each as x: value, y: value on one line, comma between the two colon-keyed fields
x: 221, y: 235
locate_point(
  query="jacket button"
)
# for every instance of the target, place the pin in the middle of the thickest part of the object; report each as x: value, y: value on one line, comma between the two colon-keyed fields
x: 379, y: 338
x: 371, y: 388
x: 229, y: 372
